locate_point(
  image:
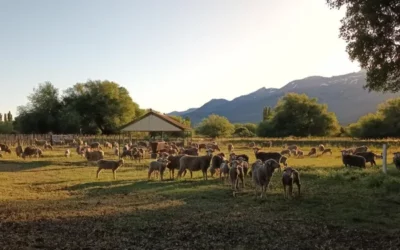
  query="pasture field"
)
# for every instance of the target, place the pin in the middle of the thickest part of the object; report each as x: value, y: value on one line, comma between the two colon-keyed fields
x: 56, y: 203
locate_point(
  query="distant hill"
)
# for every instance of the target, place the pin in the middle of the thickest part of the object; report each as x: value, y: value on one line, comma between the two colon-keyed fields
x: 343, y: 94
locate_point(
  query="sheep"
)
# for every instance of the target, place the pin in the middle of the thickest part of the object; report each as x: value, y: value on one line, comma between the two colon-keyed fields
x: 291, y: 147
x: 234, y: 156
x: 360, y: 149
x: 58, y: 142
x: 108, y: 164
x: 230, y: 148
x: 262, y: 174
x: 173, y: 163
x: 289, y: 177
x: 326, y: 150
x: 159, y: 166
x: 313, y: 151
x: 396, y: 160
x: 353, y: 160
x: 293, y: 152
x: 70, y: 140
x: 137, y: 156
x: 19, y: 151
x: 40, y: 142
x: 347, y: 151
x: 267, y: 144
x: 107, y: 145
x: 236, y: 174
x: 252, y: 144
x: 224, y: 170
x: 195, y: 163
x: 270, y: 155
x: 80, y: 150
x: 216, y: 162
x: 369, y: 157
x: 300, y: 153
x: 321, y: 147
x: 48, y: 146
x: 94, y: 155
x: 116, y: 151
x: 115, y: 145
x: 129, y: 153
x: 213, y: 147
x: 5, y: 148
x: 244, y: 164
x: 190, y: 151
x: 95, y: 145
x: 67, y: 153
x: 32, y: 151
x: 286, y: 152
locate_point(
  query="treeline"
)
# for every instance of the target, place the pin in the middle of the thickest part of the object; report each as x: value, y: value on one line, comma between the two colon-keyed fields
x: 101, y: 107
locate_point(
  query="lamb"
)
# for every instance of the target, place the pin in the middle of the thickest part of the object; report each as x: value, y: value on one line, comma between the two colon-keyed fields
x: 321, y: 147
x: 159, y: 166
x: 31, y: 151
x: 262, y: 174
x: 396, y: 160
x: 5, y: 148
x: 195, y: 163
x: 173, y: 163
x: 107, y: 164
x: 369, y: 157
x: 289, y: 177
x: 360, y: 149
x: 19, y: 151
x: 94, y: 155
x: 286, y: 152
x: 313, y: 151
x: 216, y: 162
x: 80, y: 150
x: 327, y: 150
x: 230, y: 148
x: 263, y: 156
x: 236, y: 174
x: 353, y: 160
x: 190, y: 151
x: 67, y: 153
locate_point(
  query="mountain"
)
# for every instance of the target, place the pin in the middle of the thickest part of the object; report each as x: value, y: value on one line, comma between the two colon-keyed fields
x: 182, y: 113
x: 343, y: 94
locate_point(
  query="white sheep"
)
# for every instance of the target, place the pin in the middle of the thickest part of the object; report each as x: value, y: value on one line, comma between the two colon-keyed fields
x: 261, y: 174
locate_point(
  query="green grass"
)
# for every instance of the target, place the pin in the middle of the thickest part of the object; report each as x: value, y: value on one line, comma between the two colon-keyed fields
x: 56, y: 203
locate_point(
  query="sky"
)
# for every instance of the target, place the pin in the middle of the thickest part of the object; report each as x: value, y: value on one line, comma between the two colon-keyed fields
x: 169, y: 54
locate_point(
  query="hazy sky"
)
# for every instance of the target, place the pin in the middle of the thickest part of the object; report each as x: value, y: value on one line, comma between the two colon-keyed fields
x: 169, y: 54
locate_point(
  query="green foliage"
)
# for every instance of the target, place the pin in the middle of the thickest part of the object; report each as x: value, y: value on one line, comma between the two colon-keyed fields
x: 1, y: 117
x: 6, y: 127
x: 385, y: 123
x: 298, y: 115
x: 243, y: 132
x: 215, y: 126
x: 267, y: 113
x: 9, y: 116
x: 371, y: 30
x: 5, y: 117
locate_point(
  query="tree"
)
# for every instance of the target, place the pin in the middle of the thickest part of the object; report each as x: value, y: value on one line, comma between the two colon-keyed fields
x: 371, y: 29
x: 243, y: 132
x: 1, y: 117
x: 298, y: 115
x: 102, y: 105
x: 9, y: 116
x: 5, y: 117
x: 215, y: 126
x: 267, y: 113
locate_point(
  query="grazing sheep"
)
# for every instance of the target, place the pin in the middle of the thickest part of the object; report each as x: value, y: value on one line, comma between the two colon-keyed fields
x: 107, y: 164
x: 32, y: 151
x: 321, y: 147
x: 173, y: 163
x: 95, y: 145
x: 293, y: 152
x: 286, y: 152
x: 19, y: 151
x: 5, y: 148
x: 313, y: 151
x: 159, y: 166
x: 40, y: 142
x: 369, y: 157
x: 189, y: 151
x: 262, y: 174
x: 195, y: 163
x: 236, y: 174
x: 289, y: 177
x: 263, y: 156
x: 230, y: 148
x: 326, y: 150
x: 67, y: 153
x: 360, y: 149
x: 353, y: 160
x: 94, y: 155
x: 291, y: 147
x: 396, y: 160
x: 216, y: 162
x: 80, y: 150
x: 300, y: 153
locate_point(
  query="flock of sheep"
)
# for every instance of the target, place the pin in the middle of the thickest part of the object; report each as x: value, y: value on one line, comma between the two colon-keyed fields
x: 174, y: 156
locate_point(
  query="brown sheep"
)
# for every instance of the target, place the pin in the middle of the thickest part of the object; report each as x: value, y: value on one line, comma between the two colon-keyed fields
x: 289, y: 177
x: 190, y: 151
x: 195, y: 163
x: 174, y: 164
x: 321, y: 147
x: 95, y: 145
x: 94, y: 155
x: 5, y: 148
x: 107, y: 145
x: 313, y: 151
x: 236, y: 174
x: 327, y: 150
x: 213, y: 147
x: 286, y: 152
x: 107, y: 164
x: 261, y: 174
x: 300, y: 153
x: 19, y: 151
x: 230, y: 148
x: 32, y: 151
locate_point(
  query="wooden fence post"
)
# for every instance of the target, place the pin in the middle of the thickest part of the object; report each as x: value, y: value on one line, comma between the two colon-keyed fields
x: 384, y: 155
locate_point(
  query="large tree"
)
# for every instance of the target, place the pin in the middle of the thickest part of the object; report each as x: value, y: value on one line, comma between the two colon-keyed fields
x: 215, y: 126
x: 102, y: 105
x: 299, y: 115
x: 371, y: 29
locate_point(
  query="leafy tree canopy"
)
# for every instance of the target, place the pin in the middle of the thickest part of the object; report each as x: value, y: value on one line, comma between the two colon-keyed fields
x: 371, y: 29
x: 215, y: 126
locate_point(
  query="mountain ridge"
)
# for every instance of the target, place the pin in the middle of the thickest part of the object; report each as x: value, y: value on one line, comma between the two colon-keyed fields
x: 344, y: 95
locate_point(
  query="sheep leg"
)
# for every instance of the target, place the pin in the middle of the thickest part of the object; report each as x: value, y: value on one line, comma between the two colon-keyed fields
x: 114, y: 174
x: 191, y: 174
x: 284, y: 191
x: 242, y: 179
x: 298, y: 187
x: 98, y: 172
x: 149, y: 174
x: 291, y: 189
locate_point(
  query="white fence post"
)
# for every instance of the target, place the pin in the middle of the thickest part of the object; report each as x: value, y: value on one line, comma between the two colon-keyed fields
x: 384, y: 154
